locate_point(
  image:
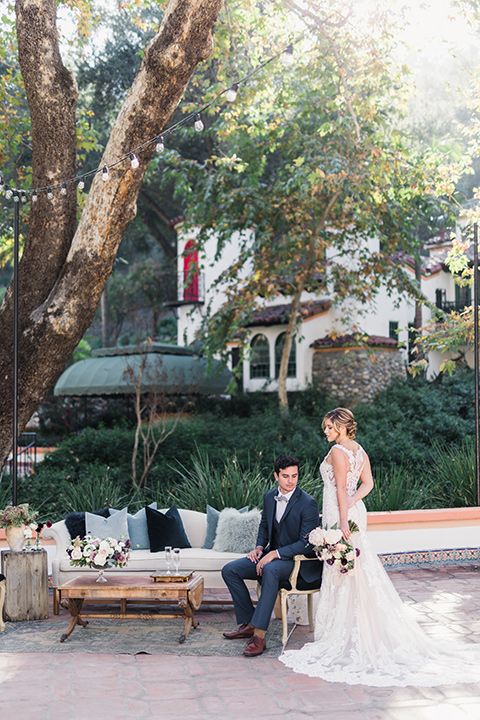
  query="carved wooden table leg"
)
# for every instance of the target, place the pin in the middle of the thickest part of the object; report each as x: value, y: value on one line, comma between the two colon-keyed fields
x: 74, y: 606
x: 2, y: 602
x: 189, y: 605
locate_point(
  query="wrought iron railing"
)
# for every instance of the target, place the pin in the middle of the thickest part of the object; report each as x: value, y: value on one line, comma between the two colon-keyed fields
x: 453, y: 306
x: 184, y: 289
x: 26, y: 454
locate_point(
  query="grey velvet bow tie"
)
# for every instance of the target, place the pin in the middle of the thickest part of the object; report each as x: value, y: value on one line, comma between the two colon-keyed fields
x: 281, y: 498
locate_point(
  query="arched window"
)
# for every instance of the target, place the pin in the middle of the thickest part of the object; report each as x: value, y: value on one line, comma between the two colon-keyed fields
x: 190, y: 273
x: 292, y: 360
x: 259, y: 357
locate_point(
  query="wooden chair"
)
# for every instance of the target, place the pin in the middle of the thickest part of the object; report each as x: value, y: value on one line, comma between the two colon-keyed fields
x: 294, y: 590
x: 2, y: 601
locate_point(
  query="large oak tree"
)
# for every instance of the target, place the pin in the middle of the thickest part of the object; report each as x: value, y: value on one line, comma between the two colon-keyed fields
x: 65, y: 263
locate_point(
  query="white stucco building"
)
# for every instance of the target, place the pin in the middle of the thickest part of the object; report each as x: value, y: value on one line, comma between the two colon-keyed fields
x: 386, y: 320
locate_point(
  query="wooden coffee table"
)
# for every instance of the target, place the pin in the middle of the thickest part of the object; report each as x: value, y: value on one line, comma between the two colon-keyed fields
x: 122, y: 588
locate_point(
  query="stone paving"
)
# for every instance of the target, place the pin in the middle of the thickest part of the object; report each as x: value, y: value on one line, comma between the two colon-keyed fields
x: 166, y: 687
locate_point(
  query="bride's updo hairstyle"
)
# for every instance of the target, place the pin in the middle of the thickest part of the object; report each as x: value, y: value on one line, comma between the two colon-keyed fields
x: 342, y: 417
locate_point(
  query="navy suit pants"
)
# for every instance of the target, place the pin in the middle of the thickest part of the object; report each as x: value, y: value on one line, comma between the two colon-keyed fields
x: 273, y: 575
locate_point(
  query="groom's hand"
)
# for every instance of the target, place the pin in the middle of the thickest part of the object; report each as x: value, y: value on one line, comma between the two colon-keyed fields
x: 256, y: 554
x: 272, y: 555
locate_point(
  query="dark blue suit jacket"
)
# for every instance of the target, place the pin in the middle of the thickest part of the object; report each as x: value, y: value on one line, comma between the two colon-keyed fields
x: 300, y: 517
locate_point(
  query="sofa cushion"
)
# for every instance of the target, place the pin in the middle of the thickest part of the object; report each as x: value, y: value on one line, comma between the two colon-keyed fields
x: 237, y: 532
x: 114, y: 526
x: 212, y: 522
x: 137, y: 528
x: 75, y: 522
x: 165, y: 529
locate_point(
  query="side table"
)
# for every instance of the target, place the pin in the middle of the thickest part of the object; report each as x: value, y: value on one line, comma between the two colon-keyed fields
x: 26, y: 596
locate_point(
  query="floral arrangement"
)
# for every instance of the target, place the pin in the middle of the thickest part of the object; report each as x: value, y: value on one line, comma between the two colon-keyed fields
x: 17, y: 515
x: 94, y: 552
x: 330, y: 545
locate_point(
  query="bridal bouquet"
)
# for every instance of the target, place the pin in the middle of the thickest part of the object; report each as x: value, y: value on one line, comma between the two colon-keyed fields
x: 93, y: 552
x: 330, y: 545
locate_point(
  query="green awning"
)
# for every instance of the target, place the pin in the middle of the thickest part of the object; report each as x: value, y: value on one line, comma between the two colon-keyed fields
x: 170, y: 369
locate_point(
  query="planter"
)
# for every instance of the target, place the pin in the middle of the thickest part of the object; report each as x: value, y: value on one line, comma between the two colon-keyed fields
x: 15, y: 538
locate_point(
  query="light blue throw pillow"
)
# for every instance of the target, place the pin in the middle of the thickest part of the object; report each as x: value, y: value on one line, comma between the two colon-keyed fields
x: 212, y: 522
x: 137, y: 528
x: 114, y: 526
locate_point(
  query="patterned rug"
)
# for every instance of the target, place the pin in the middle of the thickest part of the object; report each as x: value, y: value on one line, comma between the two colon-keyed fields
x: 153, y: 637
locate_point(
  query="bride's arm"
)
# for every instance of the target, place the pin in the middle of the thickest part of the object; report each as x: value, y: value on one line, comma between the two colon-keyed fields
x: 366, y: 484
x: 340, y: 468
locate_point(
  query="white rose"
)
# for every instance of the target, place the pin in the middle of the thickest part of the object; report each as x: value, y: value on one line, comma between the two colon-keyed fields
x: 100, y: 559
x: 333, y: 536
x: 104, y: 546
x: 350, y: 555
x: 87, y: 551
x: 326, y: 555
x: 76, y: 553
x: 27, y: 532
x: 317, y: 536
x: 337, y: 555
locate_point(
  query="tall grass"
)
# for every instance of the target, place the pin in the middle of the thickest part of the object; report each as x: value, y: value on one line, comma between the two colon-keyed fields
x: 452, y: 472
x: 398, y: 487
x: 90, y: 494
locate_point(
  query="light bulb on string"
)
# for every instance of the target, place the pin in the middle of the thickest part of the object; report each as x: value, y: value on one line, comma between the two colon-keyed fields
x: 105, y: 174
x: 49, y: 193
x: 81, y: 184
x: 134, y: 161
x: 160, y: 147
x: 63, y: 191
x: 34, y: 196
x: 2, y: 182
x: 231, y: 94
x: 199, y: 126
x: 8, y: 193
x: 287, y: 58
x: 15, y: 196
x: 23, y: 196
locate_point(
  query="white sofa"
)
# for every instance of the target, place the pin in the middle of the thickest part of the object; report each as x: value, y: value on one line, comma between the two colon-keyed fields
x: 207, y: 563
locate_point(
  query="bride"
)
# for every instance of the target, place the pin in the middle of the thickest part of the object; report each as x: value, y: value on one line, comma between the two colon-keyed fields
x: 363, y: 632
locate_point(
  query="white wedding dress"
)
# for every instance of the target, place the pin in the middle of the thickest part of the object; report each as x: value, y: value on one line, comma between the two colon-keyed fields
x: 364, y: 634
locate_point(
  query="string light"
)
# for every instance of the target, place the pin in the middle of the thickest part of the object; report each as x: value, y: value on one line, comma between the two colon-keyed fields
x: 231, y: 94
x: 287, y: 59
x: 199, y: 126
x: 15, y: 196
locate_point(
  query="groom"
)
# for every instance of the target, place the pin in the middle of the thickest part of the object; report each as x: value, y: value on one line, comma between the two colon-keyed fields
x: 288, y: 515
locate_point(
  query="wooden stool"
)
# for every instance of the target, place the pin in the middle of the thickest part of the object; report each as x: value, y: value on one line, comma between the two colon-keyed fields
x: 2, y: 601
x: 26, y: 592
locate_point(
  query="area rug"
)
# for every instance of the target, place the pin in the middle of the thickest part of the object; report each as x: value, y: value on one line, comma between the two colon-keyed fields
x: 153, y: 637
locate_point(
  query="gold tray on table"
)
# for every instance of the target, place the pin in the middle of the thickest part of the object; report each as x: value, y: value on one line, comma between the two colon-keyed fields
x: 162, y: 578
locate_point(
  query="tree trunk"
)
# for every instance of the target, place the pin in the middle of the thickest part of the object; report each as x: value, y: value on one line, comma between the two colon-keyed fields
x: 64, y: 269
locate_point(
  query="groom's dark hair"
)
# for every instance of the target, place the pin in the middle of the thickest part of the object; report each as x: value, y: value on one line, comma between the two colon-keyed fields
x: 285, y: 461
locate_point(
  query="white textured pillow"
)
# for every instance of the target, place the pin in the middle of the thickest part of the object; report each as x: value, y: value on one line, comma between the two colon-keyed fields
x: 237, y: 532
x: 114, y: 526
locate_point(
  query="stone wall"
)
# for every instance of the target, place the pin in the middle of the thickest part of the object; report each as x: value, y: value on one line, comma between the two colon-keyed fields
x: 352, y: 375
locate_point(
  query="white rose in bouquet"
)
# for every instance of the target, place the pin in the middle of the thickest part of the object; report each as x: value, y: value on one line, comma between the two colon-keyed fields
x: 317, y: 536
x: 333, y: 536
x: 76, y: 553
x: 351, y: 555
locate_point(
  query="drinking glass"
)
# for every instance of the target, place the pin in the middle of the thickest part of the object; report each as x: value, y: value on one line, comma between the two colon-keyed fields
x: 176, y: 559
x: 168, y: 559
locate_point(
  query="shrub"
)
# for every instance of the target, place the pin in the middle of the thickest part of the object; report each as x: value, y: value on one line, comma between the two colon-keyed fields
x: 452, y: 471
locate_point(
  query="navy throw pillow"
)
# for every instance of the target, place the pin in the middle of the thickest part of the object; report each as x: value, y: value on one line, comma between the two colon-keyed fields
x: 165, y: 529
x: 75, y: 522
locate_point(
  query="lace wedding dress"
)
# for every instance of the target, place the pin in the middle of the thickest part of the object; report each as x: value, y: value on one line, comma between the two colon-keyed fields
x: 363, y: 632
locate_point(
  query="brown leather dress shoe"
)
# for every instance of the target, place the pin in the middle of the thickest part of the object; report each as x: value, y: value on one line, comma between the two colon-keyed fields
x: 244, y: 631
x: 256, y: 646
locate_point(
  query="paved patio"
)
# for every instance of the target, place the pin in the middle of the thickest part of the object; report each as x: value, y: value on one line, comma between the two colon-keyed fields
x: 109, y: 687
